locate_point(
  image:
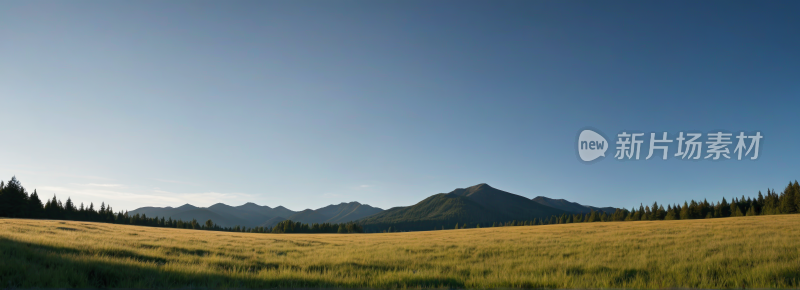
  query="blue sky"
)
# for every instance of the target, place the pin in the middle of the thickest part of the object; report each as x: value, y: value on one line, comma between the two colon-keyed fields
x: 309, y: 103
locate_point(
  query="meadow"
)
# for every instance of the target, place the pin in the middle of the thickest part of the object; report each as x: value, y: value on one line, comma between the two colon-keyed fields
x: 741, y: 252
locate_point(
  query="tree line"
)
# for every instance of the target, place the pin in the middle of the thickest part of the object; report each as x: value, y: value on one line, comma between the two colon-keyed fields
x: 786, y: 202
x: 15, y: 202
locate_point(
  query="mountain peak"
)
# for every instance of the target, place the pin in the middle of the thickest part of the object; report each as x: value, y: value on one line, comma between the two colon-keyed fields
x: 473, y: 189
x: 480, y: 186
x: 187, y: 206
x: 253, y: 206
x: 219, y: 204
x: 547, y: 198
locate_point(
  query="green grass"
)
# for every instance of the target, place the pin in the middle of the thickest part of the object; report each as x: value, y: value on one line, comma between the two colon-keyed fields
x: 744, y: 252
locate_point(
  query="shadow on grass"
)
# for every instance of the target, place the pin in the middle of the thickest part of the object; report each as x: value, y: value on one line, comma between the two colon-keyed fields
x: 28, y: 265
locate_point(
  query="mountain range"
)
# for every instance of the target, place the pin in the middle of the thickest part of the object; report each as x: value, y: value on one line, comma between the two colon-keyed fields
x: 252, y: 215
x: 479, y: 204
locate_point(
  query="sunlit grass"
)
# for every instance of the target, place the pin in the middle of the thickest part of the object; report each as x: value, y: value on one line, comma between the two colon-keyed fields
x: 750, y: 252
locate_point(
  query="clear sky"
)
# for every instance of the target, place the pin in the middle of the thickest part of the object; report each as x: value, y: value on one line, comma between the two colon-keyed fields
x: 309, y: 103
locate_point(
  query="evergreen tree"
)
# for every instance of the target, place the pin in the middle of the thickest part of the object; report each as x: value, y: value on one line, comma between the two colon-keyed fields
x: 725, y: 208
x: 13, y: 199
x: 735, y: 210
x: 796, y: 188
x: 671, y: 215
x: 660, y: 213
x: 35, y: 206
x: 69, y: 209
x: 751, y: 211
x: 635, y: 215
x: 685, y: 215
x: 642, y: 212
x: 694, y: 210
x: 788, y: 200
x: 654, y: 212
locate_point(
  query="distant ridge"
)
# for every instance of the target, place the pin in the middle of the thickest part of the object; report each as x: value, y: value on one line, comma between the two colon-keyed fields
x: 572, y: 207
x: 253, y: 215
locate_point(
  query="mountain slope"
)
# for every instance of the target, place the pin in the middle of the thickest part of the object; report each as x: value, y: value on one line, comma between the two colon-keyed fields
x: 155, y: 211
x: 572, y: 207
x: 347, y: 212
x: 203, y: 214
x: 272, y: 222
x: 477, y: 204
x: 308, y: 216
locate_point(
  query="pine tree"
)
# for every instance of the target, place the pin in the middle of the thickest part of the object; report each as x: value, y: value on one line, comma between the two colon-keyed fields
x: 788, y: 200
x: 593, y: 217
x: 654, y: 212
x: 642, y: 212
x: 69, y: 209
x: 796, y: 188
x: 685, y: 215
x: 738, y: 212
x: 35, y: 206
x: 670, y: 214
x: 660, y: 213
x: 13, y: 199
x: 694, y: 210
x: 751, y: 211
x: 725, y: 208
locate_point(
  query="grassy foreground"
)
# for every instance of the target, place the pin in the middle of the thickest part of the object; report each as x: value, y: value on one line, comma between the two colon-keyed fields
x: 751, y: 252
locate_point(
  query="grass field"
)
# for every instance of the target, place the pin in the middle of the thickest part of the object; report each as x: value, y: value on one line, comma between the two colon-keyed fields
x: 749, y: 252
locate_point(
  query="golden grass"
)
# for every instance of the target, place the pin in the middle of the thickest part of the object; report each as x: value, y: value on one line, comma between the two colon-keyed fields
x: 750, y: 252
